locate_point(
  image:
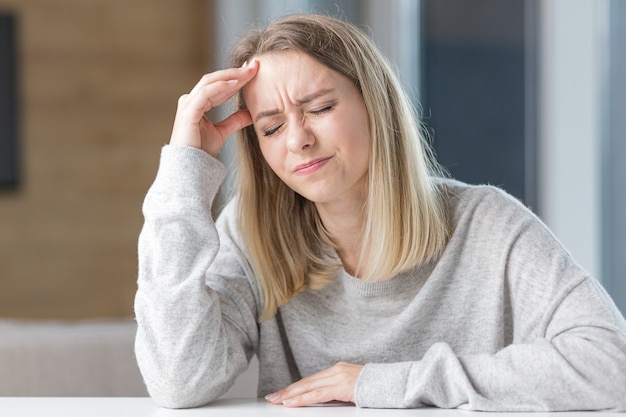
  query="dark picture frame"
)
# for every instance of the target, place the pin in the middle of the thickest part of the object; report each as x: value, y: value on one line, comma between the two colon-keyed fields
x: 9, y: 167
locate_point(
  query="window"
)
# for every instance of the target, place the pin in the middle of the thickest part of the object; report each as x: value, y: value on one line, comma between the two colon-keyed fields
x: 478, y: 90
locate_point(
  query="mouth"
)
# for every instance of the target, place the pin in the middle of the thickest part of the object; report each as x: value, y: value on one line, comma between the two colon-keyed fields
x: 310, y: 167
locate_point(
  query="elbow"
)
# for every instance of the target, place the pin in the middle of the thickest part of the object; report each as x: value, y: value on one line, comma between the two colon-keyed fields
x: 175, y: 399
x: 617, y: 390
x: 176, y: 381
x: 180, y: 396
x: 173, y: 388
x: 614, y: 400
x: 176, y: 390
x: 615, y: 377
x: 172, y: 384
x: 609, y: 379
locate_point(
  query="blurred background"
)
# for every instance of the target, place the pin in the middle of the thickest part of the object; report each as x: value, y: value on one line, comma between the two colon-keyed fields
x: 529, y: 95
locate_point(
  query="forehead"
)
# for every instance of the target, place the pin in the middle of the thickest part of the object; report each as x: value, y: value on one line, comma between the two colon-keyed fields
x: 288, y: 76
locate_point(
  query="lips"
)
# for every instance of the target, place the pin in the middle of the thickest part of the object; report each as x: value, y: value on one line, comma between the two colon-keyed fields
x: 311, y: 166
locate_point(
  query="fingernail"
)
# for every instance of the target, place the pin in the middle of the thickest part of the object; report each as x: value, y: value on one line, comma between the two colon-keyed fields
x: 247, y: 65
x: 272, y: 397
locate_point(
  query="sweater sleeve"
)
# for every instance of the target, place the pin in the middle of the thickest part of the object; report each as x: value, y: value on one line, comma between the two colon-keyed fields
x: 568, y: 349
x: 196, y: 327
x: 582, y: 367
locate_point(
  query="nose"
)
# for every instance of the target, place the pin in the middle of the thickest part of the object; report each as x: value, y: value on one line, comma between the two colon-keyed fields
x: 299, y: 136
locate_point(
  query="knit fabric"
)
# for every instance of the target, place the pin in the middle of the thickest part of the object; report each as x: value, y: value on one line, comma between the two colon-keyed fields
x: 503, y: 320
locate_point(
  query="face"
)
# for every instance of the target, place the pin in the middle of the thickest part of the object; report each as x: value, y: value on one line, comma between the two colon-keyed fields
x: 312, y: 127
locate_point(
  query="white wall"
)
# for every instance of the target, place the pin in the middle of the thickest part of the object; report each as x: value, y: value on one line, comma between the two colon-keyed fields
x: 571, y: 65
x: 395, y: 27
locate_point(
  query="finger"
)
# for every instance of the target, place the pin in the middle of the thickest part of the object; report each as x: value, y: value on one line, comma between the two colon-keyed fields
x: 220, y: 92
x: 297, y: 388
x: 335, y: 383
x: 305, y: 390
x: 317, y: 396
x: 338, y: 369
x: 233, y: 123
x: 305, y: 383
x: 303, y: 395
x: 242, y: 74
x: 193, y: 106
x: 320, y: 390
x: 208, y: 97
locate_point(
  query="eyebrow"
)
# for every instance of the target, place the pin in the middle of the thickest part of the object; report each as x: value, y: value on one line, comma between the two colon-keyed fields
x: 304, y: 100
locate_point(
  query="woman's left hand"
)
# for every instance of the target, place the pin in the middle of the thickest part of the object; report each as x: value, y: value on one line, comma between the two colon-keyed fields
x: 336, y: 383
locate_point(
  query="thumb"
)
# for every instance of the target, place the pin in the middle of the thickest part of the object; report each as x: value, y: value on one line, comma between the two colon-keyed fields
x: 233, y: 123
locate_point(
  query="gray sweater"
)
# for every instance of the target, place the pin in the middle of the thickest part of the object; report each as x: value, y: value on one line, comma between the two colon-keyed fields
x: 504, y: 320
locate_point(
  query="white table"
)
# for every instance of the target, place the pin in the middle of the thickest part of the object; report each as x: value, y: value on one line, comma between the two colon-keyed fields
x: 144, y: 407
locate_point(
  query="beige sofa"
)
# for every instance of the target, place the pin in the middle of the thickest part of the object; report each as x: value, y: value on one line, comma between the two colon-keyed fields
x: 79, y: 359
x: 46, y: 358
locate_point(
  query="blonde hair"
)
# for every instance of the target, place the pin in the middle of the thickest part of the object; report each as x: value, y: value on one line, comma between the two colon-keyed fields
x: 405, y: 223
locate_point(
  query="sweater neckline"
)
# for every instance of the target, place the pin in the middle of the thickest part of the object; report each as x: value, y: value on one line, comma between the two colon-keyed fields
x: 411, y: 279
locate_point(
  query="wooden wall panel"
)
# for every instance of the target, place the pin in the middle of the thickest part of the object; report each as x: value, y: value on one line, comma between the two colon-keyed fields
x: 99, y: 81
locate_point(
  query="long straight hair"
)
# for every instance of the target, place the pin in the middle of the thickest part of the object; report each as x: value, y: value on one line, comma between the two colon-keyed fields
x: 405, y: 223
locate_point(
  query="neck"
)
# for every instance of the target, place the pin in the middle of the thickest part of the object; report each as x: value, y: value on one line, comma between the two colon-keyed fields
x: 344, y: 221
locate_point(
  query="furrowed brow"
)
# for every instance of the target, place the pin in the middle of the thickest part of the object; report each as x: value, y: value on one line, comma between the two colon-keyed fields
x: 263, y: 114
x: 304, y: 100
x: 313, y: 96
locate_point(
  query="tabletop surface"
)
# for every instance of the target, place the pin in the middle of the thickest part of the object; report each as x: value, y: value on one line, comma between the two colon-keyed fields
x: 140, y: 407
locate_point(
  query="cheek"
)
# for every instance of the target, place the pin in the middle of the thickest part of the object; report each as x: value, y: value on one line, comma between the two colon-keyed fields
x: 361, y: 148
x: 271, y: 153
x: 359, y: 139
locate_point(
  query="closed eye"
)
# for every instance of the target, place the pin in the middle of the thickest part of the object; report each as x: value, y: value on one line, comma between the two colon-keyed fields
x: 272, y: 131
x: 323, y: 110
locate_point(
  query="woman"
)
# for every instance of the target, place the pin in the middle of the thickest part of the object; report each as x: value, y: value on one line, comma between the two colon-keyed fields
x: 345, y: 262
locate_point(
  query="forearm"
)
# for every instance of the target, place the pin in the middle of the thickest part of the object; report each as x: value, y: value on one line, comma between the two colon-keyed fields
x: 584, y: 369
x: 184, y: 346
x: 187, y: 360
x: 579, y: 363
x: 535, y: 377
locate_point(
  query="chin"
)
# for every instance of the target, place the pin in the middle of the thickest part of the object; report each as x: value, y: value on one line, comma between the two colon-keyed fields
x: 315, y: 198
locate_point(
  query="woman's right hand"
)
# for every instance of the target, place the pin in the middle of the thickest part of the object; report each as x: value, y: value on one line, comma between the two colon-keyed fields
x: 193, y: 128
